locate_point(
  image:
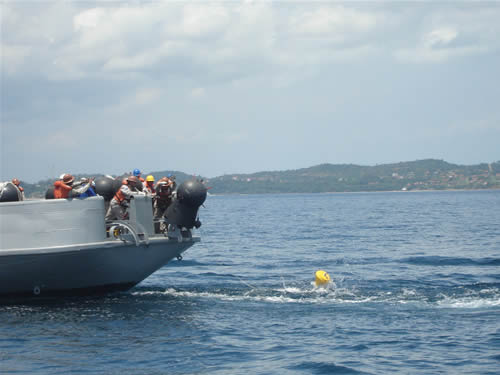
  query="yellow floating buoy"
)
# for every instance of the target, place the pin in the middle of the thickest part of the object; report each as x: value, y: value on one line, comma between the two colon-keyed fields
x: 322, y: 277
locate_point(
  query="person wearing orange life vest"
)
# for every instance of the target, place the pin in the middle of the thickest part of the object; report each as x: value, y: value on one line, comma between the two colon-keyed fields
x: 149, y: 187
x: 163, y: 197
x: 63, y: 186
x: 16, y: 182
x: 137, y: 173
x: 120, y: 202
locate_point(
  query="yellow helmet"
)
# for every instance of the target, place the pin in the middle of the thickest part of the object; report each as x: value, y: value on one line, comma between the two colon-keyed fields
x: 150, y: 178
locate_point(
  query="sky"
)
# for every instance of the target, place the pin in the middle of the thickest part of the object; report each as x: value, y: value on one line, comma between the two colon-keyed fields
x: 214, y: 88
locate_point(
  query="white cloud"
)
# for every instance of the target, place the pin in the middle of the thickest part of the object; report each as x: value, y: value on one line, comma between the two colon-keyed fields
x: 447, y: 33
x: 147, y: 95
x: 197, y: 92
x: 439, y: 37
x: 423, y: 54
x: 114, y: 38
x: 216, y: 70
x: 203, y: 20
x: 241, y: 37
x: 139, y: 61
x: 337, y: 22
x: 13, y: 57
x: 88, y: 19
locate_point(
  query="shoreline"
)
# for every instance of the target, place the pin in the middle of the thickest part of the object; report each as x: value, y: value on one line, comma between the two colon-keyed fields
x: 363, y: 192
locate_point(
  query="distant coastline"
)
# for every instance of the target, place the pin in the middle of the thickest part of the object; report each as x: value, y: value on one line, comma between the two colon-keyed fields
x: 364, y: 192
x: 420, y: 175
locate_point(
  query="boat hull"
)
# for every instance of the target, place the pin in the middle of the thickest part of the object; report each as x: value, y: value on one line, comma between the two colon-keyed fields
x: 85, y: 270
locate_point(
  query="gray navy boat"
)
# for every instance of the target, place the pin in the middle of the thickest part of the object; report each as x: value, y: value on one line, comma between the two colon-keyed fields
x: 65, y: 245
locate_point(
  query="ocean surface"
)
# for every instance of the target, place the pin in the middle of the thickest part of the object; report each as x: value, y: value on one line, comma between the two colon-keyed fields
x: 416, y: 290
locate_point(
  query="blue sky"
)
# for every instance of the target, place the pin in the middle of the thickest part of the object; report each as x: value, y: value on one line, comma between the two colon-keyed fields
x: 223, y: 87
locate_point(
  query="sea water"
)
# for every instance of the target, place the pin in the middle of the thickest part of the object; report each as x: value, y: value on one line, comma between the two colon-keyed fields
x: 415, y: 290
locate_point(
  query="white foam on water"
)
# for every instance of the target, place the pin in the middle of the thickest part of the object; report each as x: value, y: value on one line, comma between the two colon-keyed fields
x: 290, y: 290
x: 315, y: 295
x: 469, y: 303
x: 409, y: 292
x: 326, y: 289
x: 229, y: 297
x: 489, y: 290
x: 285, y: 295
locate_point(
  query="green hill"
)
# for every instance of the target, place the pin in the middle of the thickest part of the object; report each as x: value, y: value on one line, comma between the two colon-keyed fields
x: 429, y: 174
x: 416, y: 175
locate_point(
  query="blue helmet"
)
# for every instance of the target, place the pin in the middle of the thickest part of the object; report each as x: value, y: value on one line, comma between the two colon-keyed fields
x: 137, y: 172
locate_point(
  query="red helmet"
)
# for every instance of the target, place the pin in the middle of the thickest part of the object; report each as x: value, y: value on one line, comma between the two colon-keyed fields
x: 68, y: 179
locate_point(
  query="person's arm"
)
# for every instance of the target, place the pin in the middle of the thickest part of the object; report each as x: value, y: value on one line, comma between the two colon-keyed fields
x: 126, y: 192
x: 65, y: 187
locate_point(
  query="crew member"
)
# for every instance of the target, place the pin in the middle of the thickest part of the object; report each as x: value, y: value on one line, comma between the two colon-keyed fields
x: 149, y: 187
x: 137, y: 173
x: 163, y: 197
x: 90, y: 192
x: 141, y: 186
x: 63, y: 186
x: 16, y: 182
x: 120, y: 202
x: 171, y: 177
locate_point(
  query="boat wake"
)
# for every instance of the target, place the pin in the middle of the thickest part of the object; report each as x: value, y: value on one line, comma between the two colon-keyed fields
x: 463, y: 297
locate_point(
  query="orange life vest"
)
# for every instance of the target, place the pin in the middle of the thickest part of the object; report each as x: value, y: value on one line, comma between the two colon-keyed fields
x: 150, y: 188
x: 119, y: 196
x: 61, y: 190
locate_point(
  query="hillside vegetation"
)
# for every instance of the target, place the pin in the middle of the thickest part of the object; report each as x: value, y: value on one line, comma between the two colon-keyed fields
x: 427, y: 174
